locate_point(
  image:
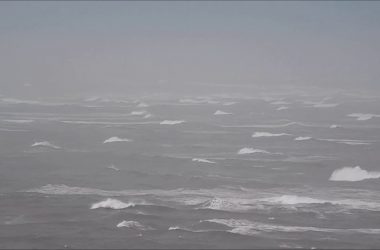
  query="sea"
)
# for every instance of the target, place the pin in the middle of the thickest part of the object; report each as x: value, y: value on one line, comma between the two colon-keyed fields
x: 266, y: 170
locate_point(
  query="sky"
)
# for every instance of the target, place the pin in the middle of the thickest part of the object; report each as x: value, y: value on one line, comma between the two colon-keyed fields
x: 63, y: 47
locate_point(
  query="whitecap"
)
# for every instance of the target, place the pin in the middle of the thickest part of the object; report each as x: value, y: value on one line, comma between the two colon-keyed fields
x: 142, y: 105
x: 229, y: 103
x: 267, y: 134
x: 202, y: 160
x: 251, y: 151
x: 363, y: 117
x: 279, y: 103
x: 134, y: 225
x: 353, y: 174
x: 113, y: 168
x: 334, y: 126
x: 325, y: 105
x: 171, y: 122
x: 45, y: 144
x: 112, y: 204
x: 116, y: 139
x: 19, y: 121
x: 220, y: 112
x: 302, y: 138
x: 224, y: 205
x: 143, y: 112
x: 282, y: 108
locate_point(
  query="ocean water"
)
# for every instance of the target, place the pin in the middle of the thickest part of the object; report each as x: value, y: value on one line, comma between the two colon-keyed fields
x: 282, y: 170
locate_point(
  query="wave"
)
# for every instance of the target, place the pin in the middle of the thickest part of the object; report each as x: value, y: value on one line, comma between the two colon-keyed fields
x: 325, y: 105
x: 112, y: 204
x: 224, y: 205
x: 282, y: 108
x: 246, y: 227
x: 202, y: 160
x: 171, y: 122
x: 113, y: 168
x: 143, y: 112
x: 267, y: 134
x: 348, y: 141
x: 363, y: 117
x: 302, y: 138
x: 45, y: 144
x: 116, y: 139
x: 353, y: 174
x: 293, y: 200
x: 142, y: 105
x: 109, y: 123
x: 134, y: 225
x: 19, y: 121
x: 279, y: 103
x: 220, y: 112
x: 251, y: 151
x: 334, y: 126
x: 229, y: 103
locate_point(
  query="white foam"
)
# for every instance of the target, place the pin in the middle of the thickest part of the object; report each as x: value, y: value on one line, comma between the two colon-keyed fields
x: 113, y: 168
x: 349, y: 141
x: 134, y: 225
x: 19, y: 121
x: 293, y: 200
x: 246, y: 227
x: 45, y: 144
x: 171, y: 122
x: 282, y: 108
x: 325, y: 105
x: 143, y: 112
x: 112, y: 204
x: 224, y: 205
x: 353, y: 174
x: 334, y: 126
x: 251, y: 151
x: 116, y: 139
x: 363, y: 117
x: 173, y: 228
x: 220, y: 112
x: 202, y: 160
x: 147, y: 116
x: 302, y: 138
x: 267, y: 134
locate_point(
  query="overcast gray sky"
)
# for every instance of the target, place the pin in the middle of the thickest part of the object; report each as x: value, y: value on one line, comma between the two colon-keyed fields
x: 64, y: 46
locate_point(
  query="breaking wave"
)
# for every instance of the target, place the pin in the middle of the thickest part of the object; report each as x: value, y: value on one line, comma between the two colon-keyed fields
x: 202, y: 160
x: 267, y: 134
x: 353, y: 174
x: 251, y: 151
x: 112, y: 204
x: 45, y: 144
x: 363, y: 117
x: 171, y: 122
x: 134, y: 225
x: 116, y: 139
x: 220, y: 112
x: 302, y: 138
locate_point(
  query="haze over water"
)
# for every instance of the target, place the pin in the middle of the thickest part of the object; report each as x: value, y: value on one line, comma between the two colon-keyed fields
x: 189, y: 125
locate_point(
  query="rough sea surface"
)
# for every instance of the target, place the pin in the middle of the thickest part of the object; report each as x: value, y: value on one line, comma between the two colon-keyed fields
x: 272, y: 170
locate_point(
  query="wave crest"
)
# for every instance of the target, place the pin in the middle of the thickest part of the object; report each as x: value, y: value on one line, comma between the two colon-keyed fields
x: 353, y: 174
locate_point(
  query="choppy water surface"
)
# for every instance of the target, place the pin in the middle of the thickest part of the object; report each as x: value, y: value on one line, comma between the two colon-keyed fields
x: 268, y: 171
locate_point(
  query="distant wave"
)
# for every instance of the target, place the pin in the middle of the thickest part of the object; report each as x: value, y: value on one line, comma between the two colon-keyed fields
x: 267, y: 134
x: 325, y: 105
x: 113, y: 168
x: 202, y: 160
x: 19, y: 121
x: 353, y: 174
x: 220, y: 112
x: 269, y: 125
x: 171, y: 122
x: 279, y: 103
x: 251, y: 151
x: 45, y: 144
x: 109, y: 123
x: 142, y: 105
x: 293, y: 200
x: 143, y: 112
x: 348, y: 141
x: 282, y: 108
x: 302, y: 138
x: 116, y: 139
x: 363, y: 117
x: 112, y: 204
x: 229, y: 103
x: 246, y: 227
x: 334, y: 126
x: 134, y: 225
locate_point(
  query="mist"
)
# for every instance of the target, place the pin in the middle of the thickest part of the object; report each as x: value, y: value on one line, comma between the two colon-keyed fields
x: 64, y: 48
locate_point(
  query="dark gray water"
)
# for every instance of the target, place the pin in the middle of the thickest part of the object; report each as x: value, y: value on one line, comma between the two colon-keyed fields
x: 182, y: 177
